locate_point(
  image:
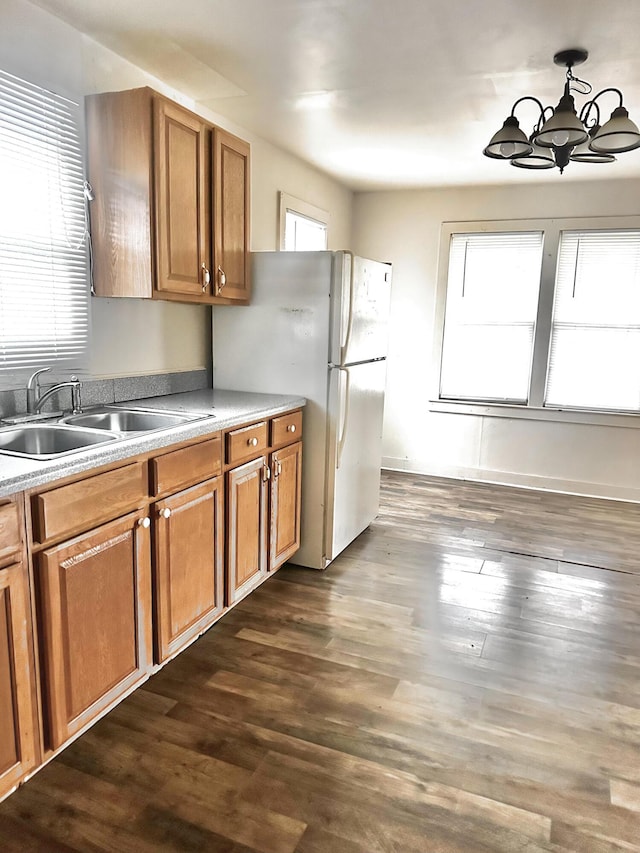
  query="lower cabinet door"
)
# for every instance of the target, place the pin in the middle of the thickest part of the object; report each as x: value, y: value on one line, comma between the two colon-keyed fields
x: 94, y: 595
x: 247, y: 496
x: 17, y: 736
x: 189, y: 565
x: 286, y: 494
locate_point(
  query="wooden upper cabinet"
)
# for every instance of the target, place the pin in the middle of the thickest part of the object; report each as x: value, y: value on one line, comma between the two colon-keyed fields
x: 168, y: 186
x: 231, y: 169
x: 182, y: 200
x: 119, y: 158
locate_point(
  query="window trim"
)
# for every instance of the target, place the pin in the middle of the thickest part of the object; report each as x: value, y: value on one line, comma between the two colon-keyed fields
x: 535, y: 408
x: 288, y: 202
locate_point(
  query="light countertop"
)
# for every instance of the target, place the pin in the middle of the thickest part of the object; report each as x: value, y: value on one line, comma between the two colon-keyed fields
x: 220, y: 409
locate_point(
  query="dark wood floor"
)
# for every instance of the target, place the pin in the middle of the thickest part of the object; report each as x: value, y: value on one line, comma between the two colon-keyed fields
x: 437, y: 689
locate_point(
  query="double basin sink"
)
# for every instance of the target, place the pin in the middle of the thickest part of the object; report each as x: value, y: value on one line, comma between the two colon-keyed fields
x: 79, y: 432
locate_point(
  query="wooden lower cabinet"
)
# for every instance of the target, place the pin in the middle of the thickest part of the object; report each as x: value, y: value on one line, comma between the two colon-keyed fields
x: 286, y: 493
x: 188, y: 566
x: 94, y: 597
x: 246, y: 529
x: 17, y: 735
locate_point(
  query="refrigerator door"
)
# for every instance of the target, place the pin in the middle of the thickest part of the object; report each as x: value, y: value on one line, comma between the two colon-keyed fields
x: 360, y: 299
x: 356, y: 405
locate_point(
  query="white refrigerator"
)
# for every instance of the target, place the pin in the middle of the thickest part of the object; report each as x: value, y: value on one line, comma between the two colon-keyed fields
x: 317, y: 327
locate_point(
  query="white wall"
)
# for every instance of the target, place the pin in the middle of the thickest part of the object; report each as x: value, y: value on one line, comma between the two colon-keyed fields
x: 131, y: 336
x: 404, y: 227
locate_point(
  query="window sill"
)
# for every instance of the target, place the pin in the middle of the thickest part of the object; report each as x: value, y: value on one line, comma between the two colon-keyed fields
x: 625, y: 420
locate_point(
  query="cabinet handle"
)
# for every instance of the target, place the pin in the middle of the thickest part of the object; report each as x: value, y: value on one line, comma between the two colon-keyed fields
x: 266, y: 473
x: 252, y: 442
x: 166, y: 512
x: 206, y: 276
x: 277, y: 469
x: 144, y: 522
x: 291, y: 427
x: 222, y: 279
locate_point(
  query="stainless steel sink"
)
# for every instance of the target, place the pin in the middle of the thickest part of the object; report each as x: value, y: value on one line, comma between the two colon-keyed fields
x: 48, y: 441
x: 129, y: 420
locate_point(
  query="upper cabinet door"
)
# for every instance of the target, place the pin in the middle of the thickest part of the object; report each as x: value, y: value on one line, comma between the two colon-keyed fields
x: 231, y: 169
x: 182, y: 201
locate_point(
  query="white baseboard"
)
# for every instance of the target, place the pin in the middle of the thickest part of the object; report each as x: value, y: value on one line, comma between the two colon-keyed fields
x: 512, y: 478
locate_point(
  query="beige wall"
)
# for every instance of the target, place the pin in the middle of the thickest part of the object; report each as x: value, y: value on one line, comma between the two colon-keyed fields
x: 137, y: 336
x: 404, y: 227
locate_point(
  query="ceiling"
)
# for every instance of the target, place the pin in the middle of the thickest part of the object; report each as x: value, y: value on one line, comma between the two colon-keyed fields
x: 378, y: 94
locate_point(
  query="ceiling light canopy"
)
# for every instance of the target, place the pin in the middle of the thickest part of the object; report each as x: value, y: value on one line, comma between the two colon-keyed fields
x: 560, y: 135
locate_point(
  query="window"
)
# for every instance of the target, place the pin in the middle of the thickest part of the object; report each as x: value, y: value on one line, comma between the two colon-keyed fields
x: 303, y: 227
x: 492, y: 301
x: 540, y: 316
x: 594, y: 361
x: 43, y: 270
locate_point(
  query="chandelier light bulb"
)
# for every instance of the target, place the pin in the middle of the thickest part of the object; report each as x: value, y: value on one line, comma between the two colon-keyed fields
x: 560, y: 138
x: 507, y: 149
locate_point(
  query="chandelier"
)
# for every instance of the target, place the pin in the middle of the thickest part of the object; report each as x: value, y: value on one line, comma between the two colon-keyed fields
x: 561, y: 135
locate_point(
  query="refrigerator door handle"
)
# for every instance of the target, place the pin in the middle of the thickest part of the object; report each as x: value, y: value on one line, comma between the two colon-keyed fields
x: 345, y: 415
x: 345, y: 347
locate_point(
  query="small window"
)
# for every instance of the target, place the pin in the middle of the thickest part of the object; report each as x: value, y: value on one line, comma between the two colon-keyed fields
x: 303, y: 227
x: 594, y: 360
x: 490, y: 314
x: 44, y: 299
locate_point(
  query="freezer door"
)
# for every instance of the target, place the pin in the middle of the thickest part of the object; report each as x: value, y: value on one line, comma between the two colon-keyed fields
x: 360, y: 299
x: 354, y: 453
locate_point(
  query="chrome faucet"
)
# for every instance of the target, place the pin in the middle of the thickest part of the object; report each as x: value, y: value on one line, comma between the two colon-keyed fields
x: 35, y: 400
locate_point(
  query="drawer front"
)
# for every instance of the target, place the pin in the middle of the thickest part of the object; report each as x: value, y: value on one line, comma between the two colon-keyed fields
x: 247, y: 442
x: 286, y: 429
x: 86, y: 503
x: 10, y: 529
x: 185, y: 467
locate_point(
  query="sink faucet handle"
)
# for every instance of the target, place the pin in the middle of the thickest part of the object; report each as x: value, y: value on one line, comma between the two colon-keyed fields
x: 33, y: 389
x: 33, y: 379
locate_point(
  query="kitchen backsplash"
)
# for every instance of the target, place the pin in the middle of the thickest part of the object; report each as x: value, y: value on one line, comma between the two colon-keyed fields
x: 102, y: 392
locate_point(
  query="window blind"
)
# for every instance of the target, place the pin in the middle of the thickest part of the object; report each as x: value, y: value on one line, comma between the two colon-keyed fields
x: 594, y: 359
x: 44, y: 299
x: 490, y: 314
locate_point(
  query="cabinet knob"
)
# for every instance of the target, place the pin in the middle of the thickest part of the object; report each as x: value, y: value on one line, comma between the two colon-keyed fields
x: 291, y: 427
x: 252, y: 442
x: 144, y: 522
x: 166, y: 512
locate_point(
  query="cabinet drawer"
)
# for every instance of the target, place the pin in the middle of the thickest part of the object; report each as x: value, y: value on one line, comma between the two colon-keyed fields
x: 86, y: 503
x: 245, y: 443
x: 10, y: 529
x: 179, y: 468
x: 286, y: 429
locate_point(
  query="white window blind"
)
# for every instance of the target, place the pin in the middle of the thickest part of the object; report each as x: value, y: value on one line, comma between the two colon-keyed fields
x: 491, y: 306
x: 594, y: 359
x: 44, y: 310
